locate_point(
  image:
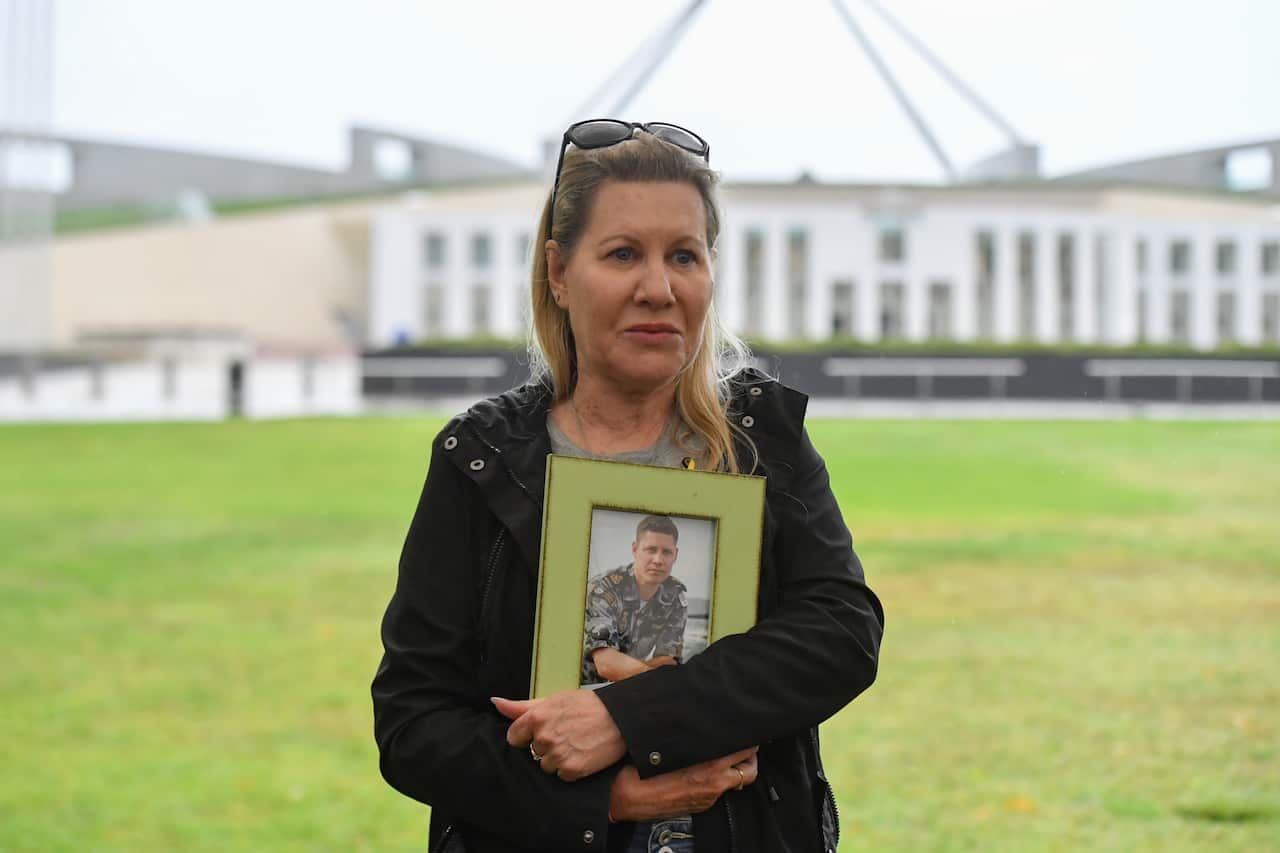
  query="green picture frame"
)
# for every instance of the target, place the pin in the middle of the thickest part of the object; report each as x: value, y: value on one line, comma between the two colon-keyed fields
x: 576, y: 487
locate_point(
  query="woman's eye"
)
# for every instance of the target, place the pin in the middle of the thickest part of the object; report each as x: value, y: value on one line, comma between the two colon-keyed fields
x: 622, y: 253
x: 684, y: 257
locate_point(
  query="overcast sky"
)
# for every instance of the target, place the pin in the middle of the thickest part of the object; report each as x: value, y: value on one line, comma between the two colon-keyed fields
x: 777, y: 87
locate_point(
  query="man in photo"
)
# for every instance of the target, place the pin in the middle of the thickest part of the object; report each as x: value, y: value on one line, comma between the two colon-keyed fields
x: 636, y: 613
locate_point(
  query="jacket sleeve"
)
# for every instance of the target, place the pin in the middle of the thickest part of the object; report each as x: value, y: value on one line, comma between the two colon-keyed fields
x: 438, y: 741
x: 801, y: 663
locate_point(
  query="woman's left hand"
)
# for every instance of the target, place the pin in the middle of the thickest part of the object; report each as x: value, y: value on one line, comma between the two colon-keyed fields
x: 571, y: 732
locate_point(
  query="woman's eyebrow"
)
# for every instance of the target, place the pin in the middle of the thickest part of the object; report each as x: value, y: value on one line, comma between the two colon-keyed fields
x: 631, y: 235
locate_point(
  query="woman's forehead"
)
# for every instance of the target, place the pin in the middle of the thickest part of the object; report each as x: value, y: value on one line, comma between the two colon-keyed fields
x: 660, y: 207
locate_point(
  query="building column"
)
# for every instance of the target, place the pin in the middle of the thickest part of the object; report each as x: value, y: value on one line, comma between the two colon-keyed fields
x: 866, y: 294
x: 456, y: 291
x: 915, y: 308
x: 730, y: 277
x: 1084, y: 323
x: 1047, y: 307
x: 1159, y: 285
x: 817, y: 322
x: 1204, y: 290
x: 1249, y: 286
x: 774, y: 323
x: 1004, y: 290
x: 1120, y: 298
x: 964, y: 298
x: 505, y: 287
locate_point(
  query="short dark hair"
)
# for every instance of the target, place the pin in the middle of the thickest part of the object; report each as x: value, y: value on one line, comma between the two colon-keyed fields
x: 658, y: 524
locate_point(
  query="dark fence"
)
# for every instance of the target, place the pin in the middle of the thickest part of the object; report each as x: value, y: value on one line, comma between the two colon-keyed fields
x: 425, y: 373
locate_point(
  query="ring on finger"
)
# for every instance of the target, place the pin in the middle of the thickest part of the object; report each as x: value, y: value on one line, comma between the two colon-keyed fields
x: 742, y: 778
x: 536, y: 758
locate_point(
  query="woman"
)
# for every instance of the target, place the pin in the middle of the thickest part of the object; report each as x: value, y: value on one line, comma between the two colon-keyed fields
x: 715, y: 754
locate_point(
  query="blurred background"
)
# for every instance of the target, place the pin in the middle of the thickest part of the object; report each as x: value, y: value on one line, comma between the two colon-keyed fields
x: 1024, y: 255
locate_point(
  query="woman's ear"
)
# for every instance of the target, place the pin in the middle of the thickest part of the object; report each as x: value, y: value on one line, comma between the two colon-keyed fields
x: 555, y: 272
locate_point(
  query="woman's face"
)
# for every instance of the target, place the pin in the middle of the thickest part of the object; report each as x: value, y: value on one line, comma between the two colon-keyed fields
x: 638, y: 284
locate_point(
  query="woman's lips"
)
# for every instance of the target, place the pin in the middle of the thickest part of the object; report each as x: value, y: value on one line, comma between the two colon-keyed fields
x: 652, y: 332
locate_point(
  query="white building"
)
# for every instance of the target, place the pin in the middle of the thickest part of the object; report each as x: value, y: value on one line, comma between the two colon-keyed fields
x: 1038, y: 261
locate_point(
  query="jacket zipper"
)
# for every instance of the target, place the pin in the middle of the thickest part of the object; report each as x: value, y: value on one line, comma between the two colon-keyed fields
x: 835, y: 810
x: 733, y: 836
x: 491, y: 570
x: 829, y: 794
x: 444, y: 839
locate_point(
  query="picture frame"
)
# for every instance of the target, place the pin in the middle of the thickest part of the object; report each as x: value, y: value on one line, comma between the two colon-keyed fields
x: 712, y: 580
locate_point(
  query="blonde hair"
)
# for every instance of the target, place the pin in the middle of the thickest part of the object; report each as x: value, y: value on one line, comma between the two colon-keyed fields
x: 703, y: 386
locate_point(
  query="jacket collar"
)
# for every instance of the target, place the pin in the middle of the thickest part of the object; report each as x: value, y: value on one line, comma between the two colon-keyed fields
x: 502, y: 445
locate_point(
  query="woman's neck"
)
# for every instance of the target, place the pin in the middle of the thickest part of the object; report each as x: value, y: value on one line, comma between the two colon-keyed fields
x: 604, y: 419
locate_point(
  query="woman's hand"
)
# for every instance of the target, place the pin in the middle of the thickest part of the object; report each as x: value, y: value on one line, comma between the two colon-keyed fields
x: 682, y: 792
x: 571, y: 731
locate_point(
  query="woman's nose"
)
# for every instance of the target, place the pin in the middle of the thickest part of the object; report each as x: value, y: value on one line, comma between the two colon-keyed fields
x: 654, y: 286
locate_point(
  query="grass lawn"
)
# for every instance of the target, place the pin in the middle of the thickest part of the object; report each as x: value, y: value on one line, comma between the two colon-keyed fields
x: 1083, y: 643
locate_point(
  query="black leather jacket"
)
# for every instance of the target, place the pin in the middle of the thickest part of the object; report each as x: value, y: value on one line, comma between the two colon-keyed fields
x: 459, y: 629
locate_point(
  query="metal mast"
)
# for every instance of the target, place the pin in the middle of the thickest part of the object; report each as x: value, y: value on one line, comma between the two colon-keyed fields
x: 26, y: 156
x: 899, y: 93
x: 947, y: 74
x: 633, y: 74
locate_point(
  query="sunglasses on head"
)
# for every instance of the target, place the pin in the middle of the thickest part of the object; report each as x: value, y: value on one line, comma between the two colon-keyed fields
x: 603, y: 132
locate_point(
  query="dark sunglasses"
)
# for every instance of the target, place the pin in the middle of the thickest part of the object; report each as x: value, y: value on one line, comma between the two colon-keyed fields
x: 603, y: 132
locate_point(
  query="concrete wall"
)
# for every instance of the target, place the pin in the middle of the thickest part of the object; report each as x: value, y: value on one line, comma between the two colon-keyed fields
x: 286, y: 278
x: 183, y: 390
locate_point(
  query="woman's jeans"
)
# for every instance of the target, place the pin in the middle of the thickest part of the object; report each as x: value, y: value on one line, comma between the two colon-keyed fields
x: 671, y: 835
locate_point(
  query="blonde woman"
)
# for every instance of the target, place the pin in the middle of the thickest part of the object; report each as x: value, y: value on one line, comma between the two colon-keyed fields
x: 630, y: 363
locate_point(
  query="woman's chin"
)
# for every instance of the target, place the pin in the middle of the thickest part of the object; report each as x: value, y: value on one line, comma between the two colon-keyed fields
x: 647, y: 373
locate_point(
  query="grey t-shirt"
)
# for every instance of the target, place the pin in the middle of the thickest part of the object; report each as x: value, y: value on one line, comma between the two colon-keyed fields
x: 664, y: 453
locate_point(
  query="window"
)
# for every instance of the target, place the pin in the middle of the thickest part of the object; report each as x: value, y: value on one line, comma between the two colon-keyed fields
x: 1270, y: 261
x: 1225, y: 256
x: 38, y: 167
x: 939, y: 310
x: 985, y: 272
x: 392, y: 159
x: 842, y: 309
x: 1271, y: 318
x: 1180, y: 316
x: 1140, y: 257
x: 893, y: 245
x: 480, y: 309
x: 1226, y: 316
x: 481, y: 251
x: 1180, y: 257
x: 1066, y: 286
x: 524, y: 250
x: 1027, y: 286
x: 891, y: 303
x: 754, y: 263
x: 435, y: 251
x: 1248, y: 170
x: 797, y: 281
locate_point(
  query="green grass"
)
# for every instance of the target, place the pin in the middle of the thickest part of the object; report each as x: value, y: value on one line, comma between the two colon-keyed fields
x: 1083, y: 643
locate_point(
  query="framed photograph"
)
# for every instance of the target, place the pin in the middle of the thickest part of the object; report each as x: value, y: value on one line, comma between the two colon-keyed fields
x: 641, y: 567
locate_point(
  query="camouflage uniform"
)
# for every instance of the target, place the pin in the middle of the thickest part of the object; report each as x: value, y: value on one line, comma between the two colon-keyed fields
x: 617, y: 618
